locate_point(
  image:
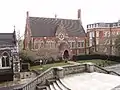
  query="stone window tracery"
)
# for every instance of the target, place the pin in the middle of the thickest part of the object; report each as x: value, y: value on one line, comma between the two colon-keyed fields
x: 5, y: 60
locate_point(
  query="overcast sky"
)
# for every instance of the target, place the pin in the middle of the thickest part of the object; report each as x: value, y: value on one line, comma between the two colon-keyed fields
x: 13, y: 12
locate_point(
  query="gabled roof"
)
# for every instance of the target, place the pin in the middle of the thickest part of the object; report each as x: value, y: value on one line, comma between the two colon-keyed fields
x: 6, y: 35
x: 6, y: 39
x: 47, y: 26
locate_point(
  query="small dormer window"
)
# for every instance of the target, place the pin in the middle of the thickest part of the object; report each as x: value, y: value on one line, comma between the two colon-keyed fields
x: 88, y: 26
x: 108, y: 25
x: 114, y: 25
x: 96, y: 25
x: 119, y: 24
x: 91, y: 26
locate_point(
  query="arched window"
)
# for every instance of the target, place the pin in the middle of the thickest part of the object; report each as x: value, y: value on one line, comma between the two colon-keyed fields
x: 66, y: 54
x: 5, y: 60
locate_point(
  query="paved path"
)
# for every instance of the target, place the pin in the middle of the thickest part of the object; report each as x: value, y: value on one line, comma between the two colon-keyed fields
x: 11, y: 85
x: 115, y: 68
x: 91, y: 81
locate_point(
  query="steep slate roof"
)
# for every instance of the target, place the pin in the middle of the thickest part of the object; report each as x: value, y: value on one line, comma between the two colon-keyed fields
x: 47, y: 26
x: 6, y: 39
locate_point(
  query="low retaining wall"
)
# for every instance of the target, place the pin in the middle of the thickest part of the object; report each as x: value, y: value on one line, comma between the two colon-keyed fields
x: 60, y: 72
x: 51, y: 73
x: 6, y: 75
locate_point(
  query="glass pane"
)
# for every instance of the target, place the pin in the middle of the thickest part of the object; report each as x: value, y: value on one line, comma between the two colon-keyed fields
x: 7, y: 61
x: 3, y: 62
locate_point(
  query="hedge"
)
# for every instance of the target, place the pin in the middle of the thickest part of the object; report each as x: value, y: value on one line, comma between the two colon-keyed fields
x: 96, y: 56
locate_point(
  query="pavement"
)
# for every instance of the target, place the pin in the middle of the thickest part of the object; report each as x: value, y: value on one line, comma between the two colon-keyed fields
x: 115, y: 68
x: 91, y: 81
x: 9, y: 87
x: 13, y: 84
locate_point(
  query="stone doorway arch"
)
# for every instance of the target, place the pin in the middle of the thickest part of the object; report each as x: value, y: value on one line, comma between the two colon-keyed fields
x: 66, y: 54
x: 64, y: 50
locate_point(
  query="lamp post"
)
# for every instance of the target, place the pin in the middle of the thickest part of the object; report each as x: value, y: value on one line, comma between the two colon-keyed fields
x: 45, y: 42
x: 110, y: 40
x: 85, y: 40
x: 76, y: 45
x: 40, y: 62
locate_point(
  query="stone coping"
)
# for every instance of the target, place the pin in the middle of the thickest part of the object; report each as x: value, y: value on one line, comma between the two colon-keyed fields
x: 62, y: 67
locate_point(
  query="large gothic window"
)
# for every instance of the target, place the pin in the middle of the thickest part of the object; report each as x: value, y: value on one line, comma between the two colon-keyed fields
x: 5, y: 60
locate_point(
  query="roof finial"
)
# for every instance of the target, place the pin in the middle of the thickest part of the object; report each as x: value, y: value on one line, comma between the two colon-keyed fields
x: 27, y: 13
x: 55, y: 16
x: 14, y: 30
x: 14, y: 27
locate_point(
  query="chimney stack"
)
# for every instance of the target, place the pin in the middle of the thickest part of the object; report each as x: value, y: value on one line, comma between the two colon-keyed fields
x: 55, y: 16
x: 79, y: 15
x: 27, y: 14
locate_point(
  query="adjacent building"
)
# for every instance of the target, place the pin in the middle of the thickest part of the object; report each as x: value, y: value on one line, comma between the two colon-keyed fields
x: 8, y: 56
x: 102, y: 37
x: 67, y: 36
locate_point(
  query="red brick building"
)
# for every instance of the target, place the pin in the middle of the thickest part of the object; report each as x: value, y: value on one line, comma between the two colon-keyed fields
x: 65, y: 35
x: 102, y: 37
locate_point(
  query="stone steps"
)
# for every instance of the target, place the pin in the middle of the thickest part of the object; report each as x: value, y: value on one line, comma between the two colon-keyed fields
x: 53, y: 85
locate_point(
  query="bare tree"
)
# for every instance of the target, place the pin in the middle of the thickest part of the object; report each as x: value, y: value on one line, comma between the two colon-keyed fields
x: 117, y: 45
x: 45, y: 54
x: 106, y: 44
x: 19, y: 40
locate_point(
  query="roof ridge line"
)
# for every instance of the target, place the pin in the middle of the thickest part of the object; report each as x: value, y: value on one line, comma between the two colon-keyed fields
x: 55, y: 18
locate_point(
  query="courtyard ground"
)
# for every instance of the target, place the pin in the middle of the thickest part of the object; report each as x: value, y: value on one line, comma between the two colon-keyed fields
x: 45, y: 67
x: 115, y: 68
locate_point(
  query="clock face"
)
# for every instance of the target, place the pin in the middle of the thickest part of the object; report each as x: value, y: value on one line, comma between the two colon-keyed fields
x: 61, y: 36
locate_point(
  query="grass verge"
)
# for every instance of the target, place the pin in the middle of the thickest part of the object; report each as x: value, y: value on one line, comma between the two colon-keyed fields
x: 45, y: 67
x: 100, y: 62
